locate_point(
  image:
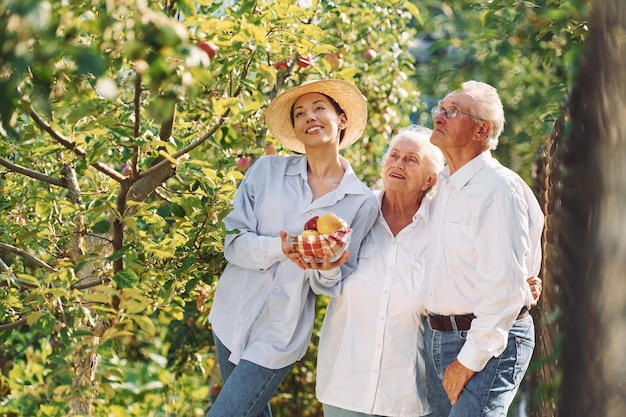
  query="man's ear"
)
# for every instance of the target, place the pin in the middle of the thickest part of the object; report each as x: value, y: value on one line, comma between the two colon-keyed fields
x: 485, y: 129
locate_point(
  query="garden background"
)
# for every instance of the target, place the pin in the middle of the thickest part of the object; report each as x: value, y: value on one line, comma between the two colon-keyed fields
x: 126, y: 125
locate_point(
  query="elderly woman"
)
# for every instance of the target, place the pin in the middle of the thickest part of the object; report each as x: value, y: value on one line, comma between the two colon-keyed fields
x: 368, y: 362
x: 370, y: 359
x: 264, y: 306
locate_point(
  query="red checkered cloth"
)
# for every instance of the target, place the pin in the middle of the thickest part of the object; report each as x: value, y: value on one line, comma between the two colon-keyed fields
x: 315, y: 247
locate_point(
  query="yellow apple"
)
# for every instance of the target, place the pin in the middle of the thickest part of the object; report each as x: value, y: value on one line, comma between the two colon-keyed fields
x: 309, y: 232
x: 329, y: 222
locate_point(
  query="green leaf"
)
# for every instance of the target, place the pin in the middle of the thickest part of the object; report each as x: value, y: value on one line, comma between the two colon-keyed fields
x: 126, y: 279
x: 145, y: 323
x: 97, y: 298
x: 102, y: 227
x: 118, y: 254
x: 189, y: 262
x: 90, y: 61
x: 32, y: 318
x: 177, y: 210
x: 414, y: 10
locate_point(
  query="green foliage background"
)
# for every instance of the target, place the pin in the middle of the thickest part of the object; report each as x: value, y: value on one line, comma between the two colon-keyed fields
x: 88, y: 90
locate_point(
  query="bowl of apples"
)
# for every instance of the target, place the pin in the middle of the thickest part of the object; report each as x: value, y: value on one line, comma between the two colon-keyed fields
x: 327, y: 234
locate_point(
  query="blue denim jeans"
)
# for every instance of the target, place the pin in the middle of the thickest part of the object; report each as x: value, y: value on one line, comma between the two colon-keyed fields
x: 490, y: 392
x: 248, y: 387
x: 331, y: 411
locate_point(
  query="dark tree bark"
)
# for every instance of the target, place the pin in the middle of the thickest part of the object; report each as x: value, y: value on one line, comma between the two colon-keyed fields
x: 586, y: 227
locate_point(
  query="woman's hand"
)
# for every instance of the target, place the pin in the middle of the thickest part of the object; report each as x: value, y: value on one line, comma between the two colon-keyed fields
x: 292, y: 254
x: 289, y: 249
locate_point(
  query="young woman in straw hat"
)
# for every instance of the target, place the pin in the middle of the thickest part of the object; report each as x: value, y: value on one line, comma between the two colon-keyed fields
x: 264, y: 306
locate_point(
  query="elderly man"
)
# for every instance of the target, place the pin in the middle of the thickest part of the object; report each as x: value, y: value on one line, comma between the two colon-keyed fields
x: 485, y: 240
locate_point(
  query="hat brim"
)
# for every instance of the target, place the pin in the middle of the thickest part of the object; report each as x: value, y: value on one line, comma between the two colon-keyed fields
x: 349, y: 98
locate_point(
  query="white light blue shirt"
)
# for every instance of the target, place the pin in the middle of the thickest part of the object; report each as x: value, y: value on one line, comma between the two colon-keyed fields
x: 370, y: 356
x: 484, y: 244
x: 264, y: 306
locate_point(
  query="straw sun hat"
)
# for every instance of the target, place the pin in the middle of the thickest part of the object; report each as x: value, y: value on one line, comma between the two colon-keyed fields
x: 349, y: 98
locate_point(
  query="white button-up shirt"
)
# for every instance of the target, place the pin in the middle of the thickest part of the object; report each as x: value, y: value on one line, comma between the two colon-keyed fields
x: 264, y: 306
x: 484, y: 244
x: 370, y: 354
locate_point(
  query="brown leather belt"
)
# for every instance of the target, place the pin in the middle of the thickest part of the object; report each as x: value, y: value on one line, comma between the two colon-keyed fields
x: 460, y: 321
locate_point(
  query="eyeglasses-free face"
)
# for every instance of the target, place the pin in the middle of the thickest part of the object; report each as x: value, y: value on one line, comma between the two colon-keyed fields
x: 449, y: 112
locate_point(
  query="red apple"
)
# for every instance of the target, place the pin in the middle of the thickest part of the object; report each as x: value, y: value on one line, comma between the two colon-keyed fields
x: 243, y: 163
x: 281, y: 65
x: 191, y: 320
x: 304, y: 61
x: 126, y: 170
x: 369, y: 54
x: 209, y: 47
x: 311, y: 224
x: 215, y: 391
x: 335, y: 59
x: 270, y: 149
x: 17, y: 219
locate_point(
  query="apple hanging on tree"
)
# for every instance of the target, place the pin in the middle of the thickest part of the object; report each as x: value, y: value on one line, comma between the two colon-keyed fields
x: 243, y: 163
x: 370, y: 54
x: 209, y: 47
x: 281, y: 65
x: 335, y: 59
x: 270, y: 149
x: 304, y: 61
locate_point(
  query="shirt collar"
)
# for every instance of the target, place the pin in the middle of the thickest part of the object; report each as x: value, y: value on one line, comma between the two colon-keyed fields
x: 297, y: 166
x: 423, y: 211
x: 349, y: 184
x: 461, y: 177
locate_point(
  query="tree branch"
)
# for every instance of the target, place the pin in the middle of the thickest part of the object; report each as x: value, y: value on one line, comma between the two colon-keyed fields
x: 86, y: 284
x: 221, y: 121
x: 65, y: 142
x: 68, y: 144
x: 13, y: 325
x: 32, y: 174
x: 19, y: 252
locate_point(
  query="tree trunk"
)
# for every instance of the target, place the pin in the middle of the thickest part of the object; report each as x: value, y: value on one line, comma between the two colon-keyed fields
x: 84, y: 385
x: 586, y: 228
